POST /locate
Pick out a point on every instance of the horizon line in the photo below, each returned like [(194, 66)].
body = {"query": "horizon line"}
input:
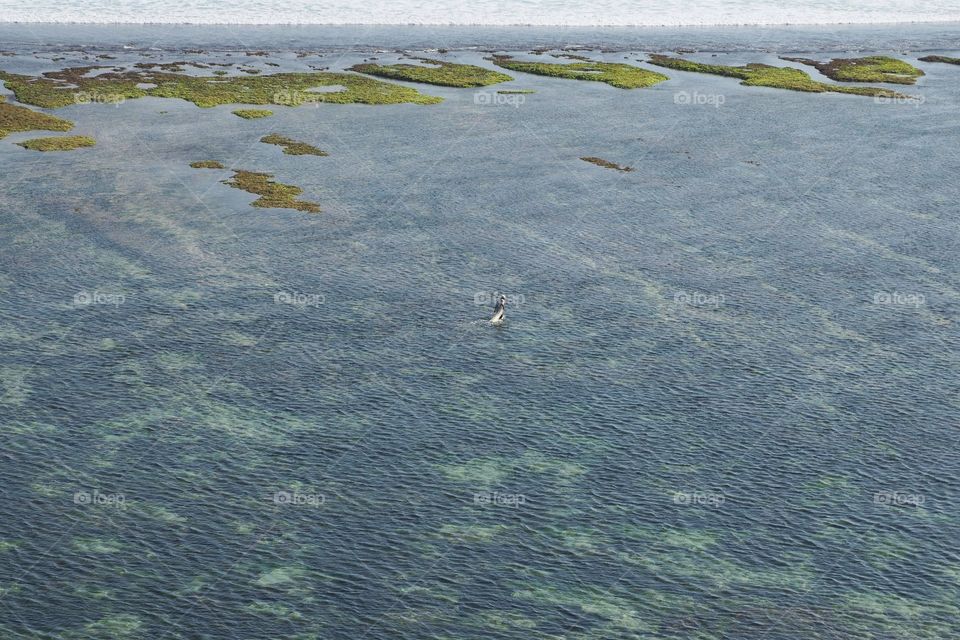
[(952, 20)]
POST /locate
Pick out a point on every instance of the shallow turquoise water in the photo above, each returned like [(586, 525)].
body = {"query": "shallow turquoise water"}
[(723, 405)]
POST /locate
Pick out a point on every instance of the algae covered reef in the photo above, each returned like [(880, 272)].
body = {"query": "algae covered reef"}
[(606, 164), (58, 143), (207, 164), (272, 194), (14, 118), (869, 69), (616, 74), (438, 72), (764, 75), (73, 85), (292, 147), (944, 59), (252, 114)]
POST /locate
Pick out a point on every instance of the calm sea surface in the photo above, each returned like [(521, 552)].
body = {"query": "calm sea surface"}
[(723, 405)]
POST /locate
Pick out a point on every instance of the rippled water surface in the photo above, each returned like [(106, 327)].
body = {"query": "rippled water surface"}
[(723, 404)]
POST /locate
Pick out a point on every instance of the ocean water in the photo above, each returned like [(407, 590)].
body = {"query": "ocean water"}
[(723, 405), (486, 12)]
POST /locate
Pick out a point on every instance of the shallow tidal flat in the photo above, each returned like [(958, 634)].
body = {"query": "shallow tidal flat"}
[(718, 409)]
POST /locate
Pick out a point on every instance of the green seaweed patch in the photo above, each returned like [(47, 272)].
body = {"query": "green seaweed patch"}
[(56, 89), (600, 162), (516, 91), (252, 114), (764, 75), (58, 143), (292, 147), (70, 86), (272, 194), (471, 532), (124, 625), (616, 74), (14, 118), (207, 164), (621, 613), (280, 576), (491, 471), (944, 59), (274, 609), (869, 69), (447, 74)]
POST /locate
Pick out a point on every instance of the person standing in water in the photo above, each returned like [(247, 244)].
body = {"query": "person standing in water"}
[(498, 310)]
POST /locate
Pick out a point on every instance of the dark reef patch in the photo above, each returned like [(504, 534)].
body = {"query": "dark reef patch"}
[(291, 147), (272, 194), (606, 164)]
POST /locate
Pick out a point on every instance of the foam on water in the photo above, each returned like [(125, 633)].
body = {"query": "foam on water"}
[(486, 12)]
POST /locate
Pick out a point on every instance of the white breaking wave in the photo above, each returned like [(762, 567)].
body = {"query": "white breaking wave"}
[(484, 12)]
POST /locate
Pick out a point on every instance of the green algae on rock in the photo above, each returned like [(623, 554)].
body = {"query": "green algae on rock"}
[(272, 194), (447, 74), (616, 74), (869, 69), (69, 86), (945, 59), (57, 143), (600, 162), (292, 147), (764, 75), (207, 164), (14, 118), (252, 114)]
